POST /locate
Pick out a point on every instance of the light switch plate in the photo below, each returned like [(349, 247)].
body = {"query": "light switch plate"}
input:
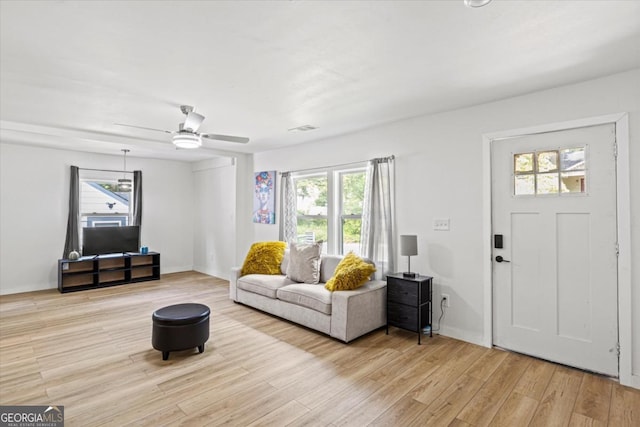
[(441, 224)]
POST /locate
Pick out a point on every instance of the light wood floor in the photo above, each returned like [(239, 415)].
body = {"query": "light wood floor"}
[(91, 352)]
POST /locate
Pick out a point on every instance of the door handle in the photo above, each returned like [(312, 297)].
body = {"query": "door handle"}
[(500, 259)]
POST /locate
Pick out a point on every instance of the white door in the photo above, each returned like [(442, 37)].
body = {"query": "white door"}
[(555, 277)]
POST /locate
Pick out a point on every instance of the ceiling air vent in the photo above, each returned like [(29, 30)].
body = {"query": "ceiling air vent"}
[(303, 128)]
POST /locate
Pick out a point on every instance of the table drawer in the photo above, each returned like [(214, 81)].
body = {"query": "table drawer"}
[(402, 316), (402, 292)]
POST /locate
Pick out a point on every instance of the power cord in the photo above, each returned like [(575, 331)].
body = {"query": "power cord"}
[(442, 310)]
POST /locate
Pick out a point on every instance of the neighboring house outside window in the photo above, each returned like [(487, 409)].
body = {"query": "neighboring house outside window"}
[(102, 206)]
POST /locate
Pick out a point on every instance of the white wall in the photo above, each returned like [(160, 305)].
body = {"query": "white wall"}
[(439, 171), (214, 216), (34, 197), (222, 211), (245, 234)]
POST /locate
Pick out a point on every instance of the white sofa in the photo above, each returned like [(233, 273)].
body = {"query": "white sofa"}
[(345, 315)]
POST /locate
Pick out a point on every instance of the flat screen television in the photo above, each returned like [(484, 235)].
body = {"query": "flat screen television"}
[(110, 240)]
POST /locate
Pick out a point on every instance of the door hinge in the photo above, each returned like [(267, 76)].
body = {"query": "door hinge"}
[(616, 349), (617, 250), (615, 149)]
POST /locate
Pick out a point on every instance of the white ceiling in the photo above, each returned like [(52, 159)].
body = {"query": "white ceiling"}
[(70, 70)]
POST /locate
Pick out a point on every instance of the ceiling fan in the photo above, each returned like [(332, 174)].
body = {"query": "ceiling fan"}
[(187, 135)]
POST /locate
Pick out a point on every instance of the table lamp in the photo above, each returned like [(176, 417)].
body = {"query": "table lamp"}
[(408, 247)]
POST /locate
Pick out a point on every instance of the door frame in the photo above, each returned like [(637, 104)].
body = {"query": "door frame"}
[(623, 207)]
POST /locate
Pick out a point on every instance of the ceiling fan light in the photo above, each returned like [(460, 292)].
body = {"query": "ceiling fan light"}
[(187, 140), (476, 3)]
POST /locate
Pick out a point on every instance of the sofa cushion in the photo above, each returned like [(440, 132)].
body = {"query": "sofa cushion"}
[(304, 262), (328, 264), (264, 258), (285, 262), (351, 273), (315, 297), (263, 284)]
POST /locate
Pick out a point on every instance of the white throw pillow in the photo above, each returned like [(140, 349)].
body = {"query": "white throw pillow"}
[(304, 262)]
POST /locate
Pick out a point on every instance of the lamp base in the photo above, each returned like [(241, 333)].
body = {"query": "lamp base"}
[(409, 274)]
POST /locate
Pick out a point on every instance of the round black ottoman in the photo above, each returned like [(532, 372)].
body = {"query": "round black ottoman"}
[(180, 327)]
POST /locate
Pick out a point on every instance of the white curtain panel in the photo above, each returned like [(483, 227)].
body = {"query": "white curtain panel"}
[(378, 216), (288, 219)]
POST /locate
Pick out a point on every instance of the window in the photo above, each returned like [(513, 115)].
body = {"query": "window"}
[(351, 198), (101, 204), (311, 208), (329, 208), (550, 172)]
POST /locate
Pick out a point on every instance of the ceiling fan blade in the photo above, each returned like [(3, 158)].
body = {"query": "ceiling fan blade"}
[(142, 127), (193, 121), (229, 138)]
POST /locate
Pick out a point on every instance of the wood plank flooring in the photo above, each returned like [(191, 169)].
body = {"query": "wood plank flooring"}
[(91, 352)]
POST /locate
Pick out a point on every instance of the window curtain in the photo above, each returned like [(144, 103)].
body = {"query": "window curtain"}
[(137, 198), (378, 216), (288, 219), (72, 241)]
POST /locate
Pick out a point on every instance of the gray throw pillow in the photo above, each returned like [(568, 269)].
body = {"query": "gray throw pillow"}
[(304, 262)]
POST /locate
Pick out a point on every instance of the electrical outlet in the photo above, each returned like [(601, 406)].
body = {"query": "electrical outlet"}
[(446, 300), (441, 224)]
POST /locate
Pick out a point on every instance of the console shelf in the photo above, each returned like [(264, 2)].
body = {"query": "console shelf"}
[(107, 270)]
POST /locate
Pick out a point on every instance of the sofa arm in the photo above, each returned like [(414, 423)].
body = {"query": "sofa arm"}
[(356, 312), (233, 283)]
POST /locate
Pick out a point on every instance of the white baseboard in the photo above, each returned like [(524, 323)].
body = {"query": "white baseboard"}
[(630, 381), (175, 269), (211, 272), (8, 290), (462, 335)]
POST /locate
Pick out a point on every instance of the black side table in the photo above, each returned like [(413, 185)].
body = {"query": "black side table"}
[(409, 303)]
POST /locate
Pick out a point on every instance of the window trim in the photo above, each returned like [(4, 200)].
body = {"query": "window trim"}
[(334, 216), (86, 216), (341, 216), (559, 171)]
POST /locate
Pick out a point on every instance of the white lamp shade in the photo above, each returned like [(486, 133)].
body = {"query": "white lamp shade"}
[(408, 245), (124, 185)]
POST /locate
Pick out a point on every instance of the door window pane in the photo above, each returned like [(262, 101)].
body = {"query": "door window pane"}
[(547, 183), (547, 161), (573, 167), (523, 162), (572, 159), (524, 185), (550, 172), (573, 182)]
